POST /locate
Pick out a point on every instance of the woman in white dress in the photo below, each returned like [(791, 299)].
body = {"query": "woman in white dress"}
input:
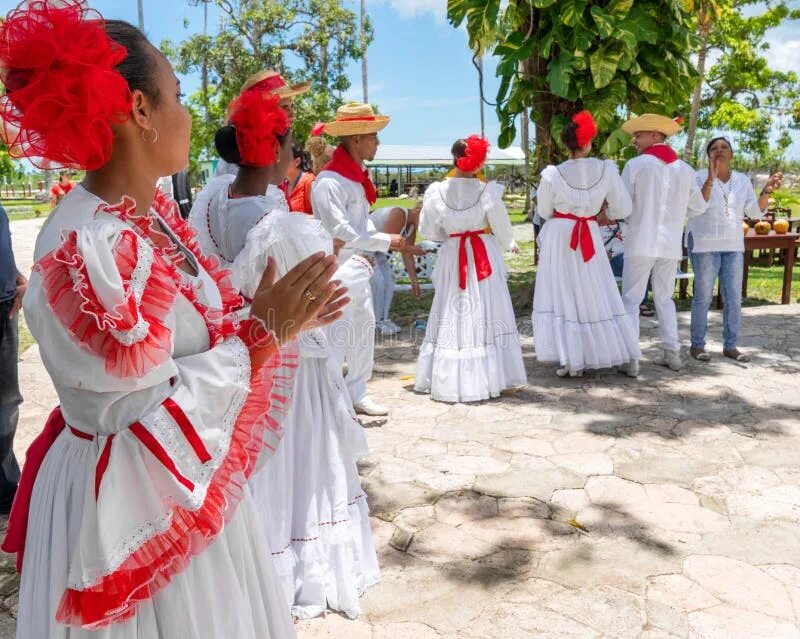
[(579, 321), (471, 350), (309, 494), (133, 511)]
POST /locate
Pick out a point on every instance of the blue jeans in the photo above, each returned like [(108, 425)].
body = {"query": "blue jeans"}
[(729, 267), (10, 399)]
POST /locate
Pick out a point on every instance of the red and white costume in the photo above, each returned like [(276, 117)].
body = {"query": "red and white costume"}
[(140, 521)]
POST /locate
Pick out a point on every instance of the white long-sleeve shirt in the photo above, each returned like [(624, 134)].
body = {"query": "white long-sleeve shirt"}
[(663, 195), (720, 227), (342, 207)]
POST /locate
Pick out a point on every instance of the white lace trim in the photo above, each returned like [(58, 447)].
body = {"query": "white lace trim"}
[(133, 335), (163, 428)]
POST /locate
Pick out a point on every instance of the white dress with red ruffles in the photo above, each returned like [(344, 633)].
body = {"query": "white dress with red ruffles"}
[(309, 494), (141, 524)]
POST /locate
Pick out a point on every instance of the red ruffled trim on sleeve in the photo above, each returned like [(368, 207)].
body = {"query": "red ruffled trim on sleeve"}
[(70, 296), (151, 567)]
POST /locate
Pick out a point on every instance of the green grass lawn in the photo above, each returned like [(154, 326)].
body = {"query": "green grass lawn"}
[(764, 287), (25, 209)]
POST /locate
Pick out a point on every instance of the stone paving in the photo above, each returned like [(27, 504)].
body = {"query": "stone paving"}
[(603, 507)]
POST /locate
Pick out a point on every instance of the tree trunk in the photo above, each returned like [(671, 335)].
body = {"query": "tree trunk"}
[(698, 89), (480, 94), (526, 149), (364, 85)]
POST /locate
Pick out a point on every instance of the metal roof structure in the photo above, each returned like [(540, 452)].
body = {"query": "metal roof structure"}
[(422, 155)]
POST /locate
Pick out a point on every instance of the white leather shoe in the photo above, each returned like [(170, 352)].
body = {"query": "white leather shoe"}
[(368, 407), (671, 359)]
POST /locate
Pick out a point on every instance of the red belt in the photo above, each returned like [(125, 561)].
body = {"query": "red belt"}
[(483, 266), (581, 234)]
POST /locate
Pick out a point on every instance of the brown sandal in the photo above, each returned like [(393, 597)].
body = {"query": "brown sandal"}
[(699, 354)]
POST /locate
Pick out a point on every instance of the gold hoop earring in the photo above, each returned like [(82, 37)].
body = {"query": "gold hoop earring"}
[(146, 139)]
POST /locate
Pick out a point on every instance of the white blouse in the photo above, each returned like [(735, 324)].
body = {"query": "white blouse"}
[(720, 227), (458, 205), (580, 187)]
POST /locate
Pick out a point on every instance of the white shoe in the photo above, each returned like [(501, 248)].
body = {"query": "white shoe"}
[(387, 327), (631, 369), (565, 370), (368, 407), (671, 359), (395, 328)]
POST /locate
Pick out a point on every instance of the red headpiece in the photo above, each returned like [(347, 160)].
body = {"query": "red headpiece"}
[(475, 154), (258, 121), (63, 92), (585, 127)]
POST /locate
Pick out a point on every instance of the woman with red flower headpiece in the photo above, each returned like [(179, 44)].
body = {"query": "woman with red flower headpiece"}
[(133, 510), (578, 317), (309, 495), (471, 350)]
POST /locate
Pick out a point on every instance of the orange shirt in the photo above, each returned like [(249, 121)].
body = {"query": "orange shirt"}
[(300, 197)]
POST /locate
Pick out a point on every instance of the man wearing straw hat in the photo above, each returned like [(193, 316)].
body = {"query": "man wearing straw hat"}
[(664, 193), (341, 199), (275, 83)]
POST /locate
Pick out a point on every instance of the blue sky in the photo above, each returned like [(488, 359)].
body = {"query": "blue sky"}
[(420, 69)]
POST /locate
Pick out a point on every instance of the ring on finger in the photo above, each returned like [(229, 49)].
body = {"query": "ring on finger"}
[(309, 296)]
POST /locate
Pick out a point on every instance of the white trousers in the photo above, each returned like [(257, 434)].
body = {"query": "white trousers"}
[(352, 337), (661, 272), (382, 284)]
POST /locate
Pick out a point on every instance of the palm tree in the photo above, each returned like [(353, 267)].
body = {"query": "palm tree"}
[(141, 16), (707, 12), (364, 50)]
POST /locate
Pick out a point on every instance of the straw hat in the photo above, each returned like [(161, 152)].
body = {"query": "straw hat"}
[(355, 118), (273, 81), (652, 122)]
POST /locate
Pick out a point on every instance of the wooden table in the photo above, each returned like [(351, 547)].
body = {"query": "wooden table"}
[(785, 242)]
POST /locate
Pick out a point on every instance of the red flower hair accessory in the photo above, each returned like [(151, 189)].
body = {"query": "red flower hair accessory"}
[(474, 155), (585, 127), (63, 92), (258, 121)]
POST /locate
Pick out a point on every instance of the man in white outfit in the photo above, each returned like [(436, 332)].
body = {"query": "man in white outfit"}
[(664, 193), (341, 197)]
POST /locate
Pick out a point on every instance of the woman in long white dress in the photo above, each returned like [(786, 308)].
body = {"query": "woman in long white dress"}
[(133, 511), (579, 321), (471, 350), (309, 494)]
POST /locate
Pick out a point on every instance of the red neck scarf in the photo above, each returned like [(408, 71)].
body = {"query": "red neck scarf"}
[(344, 164), (662, 152)]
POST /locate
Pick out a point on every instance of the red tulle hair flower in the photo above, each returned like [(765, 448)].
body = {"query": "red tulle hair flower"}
[(63, 92), (258, 121), (474, 155), (585, 127)]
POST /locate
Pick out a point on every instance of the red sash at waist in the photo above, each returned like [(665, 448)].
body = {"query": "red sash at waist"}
[(483, 266), (581, 234)]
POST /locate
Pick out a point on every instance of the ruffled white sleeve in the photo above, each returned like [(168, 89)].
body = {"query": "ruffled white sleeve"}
[(430, 218), (497, 215), (619, 200), (176, 437)]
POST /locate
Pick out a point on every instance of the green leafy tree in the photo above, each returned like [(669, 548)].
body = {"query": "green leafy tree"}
[(305, 40), (557, 56), (742, 93)]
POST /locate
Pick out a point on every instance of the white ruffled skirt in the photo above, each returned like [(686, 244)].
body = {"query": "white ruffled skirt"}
[(310, 499), (578, 317), (229, 590), (471, 350)]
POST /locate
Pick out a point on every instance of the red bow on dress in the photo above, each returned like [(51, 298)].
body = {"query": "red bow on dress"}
[(581, 234), (483, 266), (344, 164)]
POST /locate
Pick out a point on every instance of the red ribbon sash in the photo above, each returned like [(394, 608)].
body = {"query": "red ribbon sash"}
[(483, 266), (581, 234)]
